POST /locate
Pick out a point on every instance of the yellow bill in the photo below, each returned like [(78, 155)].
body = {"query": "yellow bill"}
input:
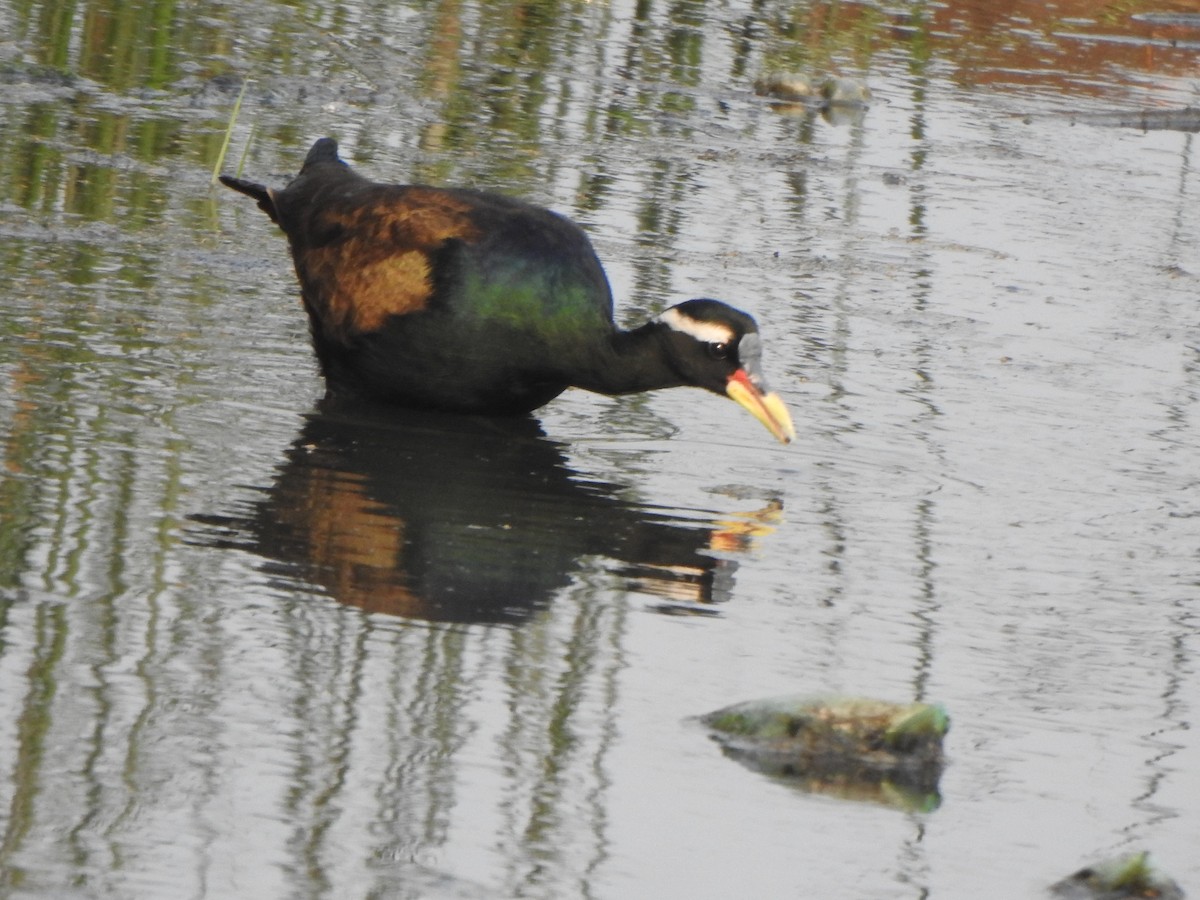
[(766, 407)]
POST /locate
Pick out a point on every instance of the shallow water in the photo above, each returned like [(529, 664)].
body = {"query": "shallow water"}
[(253, 646)]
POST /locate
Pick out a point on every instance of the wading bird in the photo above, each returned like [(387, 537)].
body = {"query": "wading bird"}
[(466, 301)]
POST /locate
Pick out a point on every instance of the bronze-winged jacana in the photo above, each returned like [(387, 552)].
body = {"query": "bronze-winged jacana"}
[(466, 301)]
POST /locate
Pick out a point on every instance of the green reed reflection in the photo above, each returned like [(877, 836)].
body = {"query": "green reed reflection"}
[(155, 80), (153, 367)]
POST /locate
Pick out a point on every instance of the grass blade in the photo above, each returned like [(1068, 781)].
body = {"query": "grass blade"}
[(237, 105)]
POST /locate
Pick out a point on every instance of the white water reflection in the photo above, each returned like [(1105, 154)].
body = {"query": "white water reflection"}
[(992, 503)]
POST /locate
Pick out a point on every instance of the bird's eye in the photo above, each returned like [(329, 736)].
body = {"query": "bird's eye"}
[(718, 349)]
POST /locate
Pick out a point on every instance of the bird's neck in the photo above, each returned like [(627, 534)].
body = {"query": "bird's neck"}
[(630, 362)]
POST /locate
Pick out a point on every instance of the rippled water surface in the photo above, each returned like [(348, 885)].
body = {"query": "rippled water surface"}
[(256, 646)]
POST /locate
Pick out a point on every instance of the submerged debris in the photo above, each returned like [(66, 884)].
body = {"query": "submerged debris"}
[(1131, 875), (794, 87), (789, 86), (855, 748), (845, 92)]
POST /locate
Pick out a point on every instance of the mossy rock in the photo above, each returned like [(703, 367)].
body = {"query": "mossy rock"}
[(791, 87), (853, 747), (1127, 876), (845, 92), (795, 87)]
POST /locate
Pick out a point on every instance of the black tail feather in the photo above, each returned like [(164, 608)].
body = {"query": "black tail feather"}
[(324, 150), (252, 189)]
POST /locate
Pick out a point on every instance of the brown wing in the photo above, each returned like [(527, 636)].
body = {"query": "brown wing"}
[(366, 254)]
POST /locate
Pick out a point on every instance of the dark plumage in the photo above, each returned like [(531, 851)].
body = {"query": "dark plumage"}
[(467, 301)]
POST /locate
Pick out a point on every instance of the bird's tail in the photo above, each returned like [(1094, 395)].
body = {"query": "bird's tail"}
[(266, 202), (323, 151)]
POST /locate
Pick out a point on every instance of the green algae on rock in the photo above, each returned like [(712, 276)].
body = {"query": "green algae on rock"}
[(1129, 875), (853, 747), (796, 87), (792, 87)]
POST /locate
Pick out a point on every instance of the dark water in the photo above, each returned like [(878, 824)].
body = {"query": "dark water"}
[(253, 646)]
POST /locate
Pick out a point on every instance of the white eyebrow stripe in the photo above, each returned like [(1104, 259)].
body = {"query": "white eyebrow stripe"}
[(708, 332)]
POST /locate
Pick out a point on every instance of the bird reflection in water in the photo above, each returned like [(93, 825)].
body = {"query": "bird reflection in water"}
[(467, 519)]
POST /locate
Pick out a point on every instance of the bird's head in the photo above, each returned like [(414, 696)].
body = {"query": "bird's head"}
[(716, 347)]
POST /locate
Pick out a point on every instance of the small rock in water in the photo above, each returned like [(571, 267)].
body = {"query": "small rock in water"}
[(840, 101), (1122, 877), (790, 86), (845, 92), (856, 748)]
